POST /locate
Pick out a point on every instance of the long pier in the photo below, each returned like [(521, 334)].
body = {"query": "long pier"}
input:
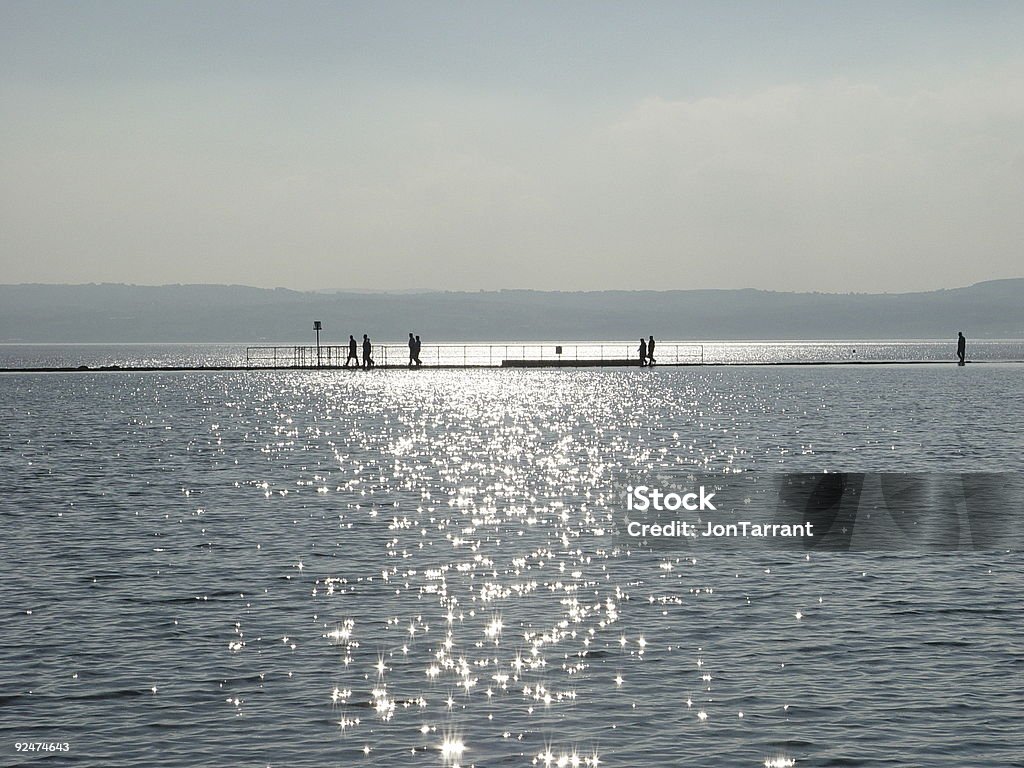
[(392, 356), (518, 365), (529, 364)]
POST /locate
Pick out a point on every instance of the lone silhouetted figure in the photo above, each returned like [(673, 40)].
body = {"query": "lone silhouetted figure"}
[(367, 350), (961, 347), (352, 351), (650, 351), (643, 351), (416, 355), (412, 350)]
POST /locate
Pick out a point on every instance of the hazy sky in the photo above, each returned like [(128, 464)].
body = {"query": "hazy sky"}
[(843, 146)]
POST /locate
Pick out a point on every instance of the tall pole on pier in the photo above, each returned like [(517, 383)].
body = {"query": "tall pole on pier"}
[(317, 325)]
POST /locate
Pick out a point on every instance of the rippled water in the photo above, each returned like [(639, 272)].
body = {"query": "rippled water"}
[(303, 569)]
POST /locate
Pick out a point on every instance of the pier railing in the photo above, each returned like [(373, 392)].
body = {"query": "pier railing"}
[(393, 355)]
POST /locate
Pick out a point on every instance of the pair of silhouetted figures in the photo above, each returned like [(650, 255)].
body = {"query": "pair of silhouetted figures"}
[(367, 352), (353, 347), (647, 351), (414, 351)]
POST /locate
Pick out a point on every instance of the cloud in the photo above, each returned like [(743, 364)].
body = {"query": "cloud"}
[(868, 184), (842, 184)]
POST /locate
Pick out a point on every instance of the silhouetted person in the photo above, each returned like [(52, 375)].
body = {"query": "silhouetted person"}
[(352, 351), (367, 349), (650, 351), (412, 350), (643, 351), (961, 347), (416, 356)]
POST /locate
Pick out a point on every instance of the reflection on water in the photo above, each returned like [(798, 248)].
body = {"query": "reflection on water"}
[(298, 568)]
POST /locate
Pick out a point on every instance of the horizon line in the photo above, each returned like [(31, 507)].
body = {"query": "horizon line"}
[(430, 291)]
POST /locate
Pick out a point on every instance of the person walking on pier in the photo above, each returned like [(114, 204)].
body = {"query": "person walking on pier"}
[(961, 348), (643, 351), (367, 349), (650, 351), (412, 350), (416, 355), (352, 351)]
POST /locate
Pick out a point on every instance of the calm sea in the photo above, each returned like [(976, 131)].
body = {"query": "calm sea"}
[(301, 568)]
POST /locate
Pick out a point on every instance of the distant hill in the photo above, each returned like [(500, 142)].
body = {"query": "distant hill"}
[(233, 313)]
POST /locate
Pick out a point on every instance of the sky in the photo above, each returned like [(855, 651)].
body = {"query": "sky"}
[(808, 146)]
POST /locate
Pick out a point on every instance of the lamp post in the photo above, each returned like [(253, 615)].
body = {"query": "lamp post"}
[(317, 325)]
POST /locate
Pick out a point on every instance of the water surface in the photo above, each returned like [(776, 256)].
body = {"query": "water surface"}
[(298, 568)]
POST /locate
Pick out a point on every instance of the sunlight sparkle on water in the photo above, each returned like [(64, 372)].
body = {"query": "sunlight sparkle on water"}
[(452, 748)]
